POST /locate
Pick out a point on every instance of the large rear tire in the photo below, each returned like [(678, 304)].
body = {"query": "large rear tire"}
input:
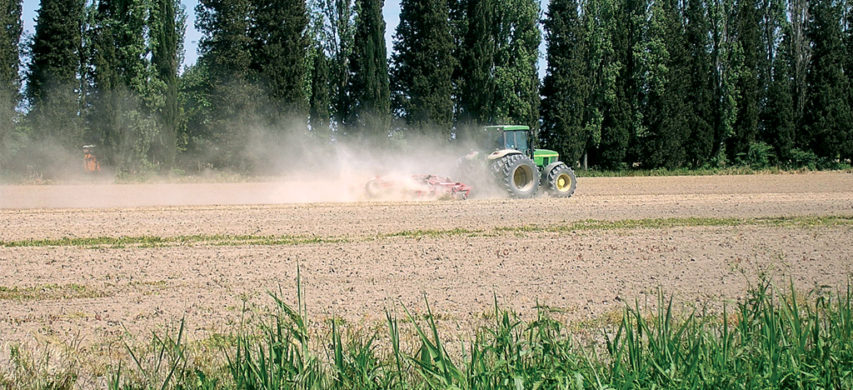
[(561, 181), (517, 175)]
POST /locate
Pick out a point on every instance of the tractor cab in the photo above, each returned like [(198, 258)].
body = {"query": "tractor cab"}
[(511, 137)]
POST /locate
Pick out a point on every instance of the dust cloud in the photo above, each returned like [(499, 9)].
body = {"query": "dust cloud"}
[(287, 166)]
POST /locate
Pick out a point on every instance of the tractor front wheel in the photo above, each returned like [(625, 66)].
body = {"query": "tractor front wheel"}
[(561, 181), (517, 175)]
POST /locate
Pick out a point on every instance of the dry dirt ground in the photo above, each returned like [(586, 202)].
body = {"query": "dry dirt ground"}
[(359, 258)]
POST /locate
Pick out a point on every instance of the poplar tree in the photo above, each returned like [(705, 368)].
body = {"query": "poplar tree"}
[(167, 24), (319, 112), (700, 88), (225, 49), (827, 119), (749, 71), (368, 83), (779, 123), (280, 41), (622, 117), (120, 123), (52, 83), (516, 91), (565, 87), (10, 36), (337, 35), (475, 56), (422, 66)]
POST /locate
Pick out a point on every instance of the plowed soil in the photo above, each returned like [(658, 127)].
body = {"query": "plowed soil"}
[(358, 258)]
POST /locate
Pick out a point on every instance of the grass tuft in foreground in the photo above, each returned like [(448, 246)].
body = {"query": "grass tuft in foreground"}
[(769, 340)]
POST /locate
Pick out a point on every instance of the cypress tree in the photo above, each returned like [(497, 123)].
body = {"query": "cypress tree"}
[(167, 32), (749, 39), (279, 47), (10, 36), (319, 113), (52, 83), (664, 69), (601, 71), (423, 65), (119, 122), (700, 89), (847, 148), (516, 92), (475, 56), (779, 123), (565, 87), (827, 119), (369, 85), (337, 37), (226, 57), (621, 119), (798, 47)]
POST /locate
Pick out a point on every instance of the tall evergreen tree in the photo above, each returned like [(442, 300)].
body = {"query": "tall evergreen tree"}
[(10, 36), (369, 85), (475, 54), (498, 80), (280, 41), (667, 76), (565, 87), (423, 65), (52, 83), (798, 47), (319, 113), (748, 30), (167, 24), (724, 56), (828, 120), (847, 148), (226, 57), (338, 35), (622, 118), (700, 89), (119, 122), (516, 93), (602, 69), (780, 124)]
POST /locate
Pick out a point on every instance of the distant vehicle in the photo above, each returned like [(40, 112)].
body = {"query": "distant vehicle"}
[(90, 160)]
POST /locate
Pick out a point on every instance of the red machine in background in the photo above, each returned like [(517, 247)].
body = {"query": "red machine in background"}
[(417, 187)]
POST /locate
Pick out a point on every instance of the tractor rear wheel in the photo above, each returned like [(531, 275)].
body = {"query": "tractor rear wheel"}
[(517, 175), (561, 181)]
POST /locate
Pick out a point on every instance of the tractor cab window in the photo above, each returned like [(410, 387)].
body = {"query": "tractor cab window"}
[(516, 140)]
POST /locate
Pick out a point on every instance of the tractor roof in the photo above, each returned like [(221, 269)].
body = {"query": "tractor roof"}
[(507, 127)]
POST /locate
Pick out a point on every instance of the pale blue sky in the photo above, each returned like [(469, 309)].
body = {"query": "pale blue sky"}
[(391, 12)]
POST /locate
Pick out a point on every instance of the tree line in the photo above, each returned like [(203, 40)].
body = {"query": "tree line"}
[(629, 83)]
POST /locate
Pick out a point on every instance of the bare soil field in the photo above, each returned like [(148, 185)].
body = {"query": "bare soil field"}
[(233, 243)]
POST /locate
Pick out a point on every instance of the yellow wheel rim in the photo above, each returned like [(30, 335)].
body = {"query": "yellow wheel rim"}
[(564, 182)]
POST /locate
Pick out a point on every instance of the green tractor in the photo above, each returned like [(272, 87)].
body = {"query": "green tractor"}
[(518, 168)]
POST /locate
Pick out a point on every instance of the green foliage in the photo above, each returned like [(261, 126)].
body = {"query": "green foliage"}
[(368, 82), (770, 339), (167, 22), (319, 113), (10, 36), (422, 66), (759, 156), (278, 30), (828, 119), (52, 83), (565, 88), (748, 62)]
